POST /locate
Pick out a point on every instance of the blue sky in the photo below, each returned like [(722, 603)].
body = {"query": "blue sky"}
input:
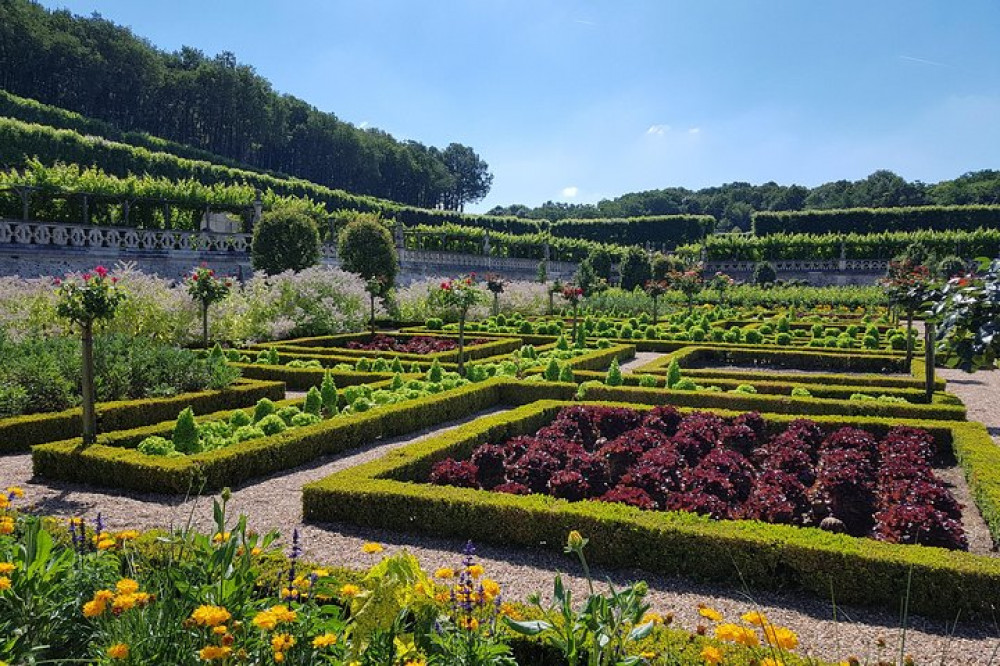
[(579, 100)]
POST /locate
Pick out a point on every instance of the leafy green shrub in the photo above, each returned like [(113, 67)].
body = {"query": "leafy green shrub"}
[(897, 342), (745, 388), (156, 446), (614, 376), (264, 408), (673, 373), (648, 381), (185, 435), (285, 239), (314, 401), (753, 337), (272, 424), (13, 400), (434, 324), (799, 392), (685, 384), (246, 433), (240, 418), (783, 339)]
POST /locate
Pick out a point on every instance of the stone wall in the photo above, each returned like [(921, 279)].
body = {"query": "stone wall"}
[(35, 249)]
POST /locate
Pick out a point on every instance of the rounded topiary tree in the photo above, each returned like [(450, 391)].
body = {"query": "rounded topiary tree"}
[(366, 247), (764, 273), (635, 268), (460, 294), (285, 239)]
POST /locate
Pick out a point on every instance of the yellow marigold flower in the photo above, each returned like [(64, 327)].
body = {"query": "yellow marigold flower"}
[(324, 640), (416, 662), (106, 544), (255, 551), (769, 661), (350, 591), (104, 596), (508, 609), (127, 535), (214, 652), (127, 586), (737, 634), (491, 589), (15, 491), (710, 614), (469, 623), (647, 655), (142, 598), (653, 617), (476, 570), (210, 616), (711, 655), (372, 548), (282, 642), (265, 620), (94, 608), (7, 567), (4, 502), (756, 618), (4, 583), (6, 525), (219, 537), (302, 581), (118, 651), (321, 573), (441, 597), (279, 657), (781, 637), (444, 573), (221, 630), (123, 602)]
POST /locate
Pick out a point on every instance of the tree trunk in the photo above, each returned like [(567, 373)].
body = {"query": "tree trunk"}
[(204, 324), (654, 310), (929, 360), (89, 407), (909, 339), (573, 334), (461, 343), (496, 304), (371, 322), (551, 304)]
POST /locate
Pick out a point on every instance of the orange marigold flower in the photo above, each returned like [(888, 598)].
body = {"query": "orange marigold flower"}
[(118, 651), (324, 640), (7, 567), (127, 586), (476, 570), (210, 616), (350, 591), (756, 618), (4, 583), (444, 573), (711, 655), (781, 637), (710, 614), (214, 652)]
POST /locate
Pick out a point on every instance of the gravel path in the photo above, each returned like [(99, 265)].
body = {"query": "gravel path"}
[(275, 503), (641, 359), (980, 392)]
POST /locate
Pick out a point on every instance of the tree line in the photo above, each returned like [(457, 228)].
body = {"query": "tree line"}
[(101, 70), (733, 204)]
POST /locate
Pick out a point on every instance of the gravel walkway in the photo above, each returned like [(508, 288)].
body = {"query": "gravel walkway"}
[(641, 359)]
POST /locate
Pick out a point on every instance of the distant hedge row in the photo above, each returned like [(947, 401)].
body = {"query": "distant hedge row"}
[(21, 140), (671, 230), (875, 220)]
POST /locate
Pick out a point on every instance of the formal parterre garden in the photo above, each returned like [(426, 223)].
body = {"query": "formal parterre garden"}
[(806, 448)]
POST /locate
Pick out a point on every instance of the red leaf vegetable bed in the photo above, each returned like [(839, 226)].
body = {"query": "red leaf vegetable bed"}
[(415, 345), (846, 480)]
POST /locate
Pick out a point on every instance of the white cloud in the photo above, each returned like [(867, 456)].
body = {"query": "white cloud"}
[(363, 125), (570, 192), (694, 130), (658, 130)]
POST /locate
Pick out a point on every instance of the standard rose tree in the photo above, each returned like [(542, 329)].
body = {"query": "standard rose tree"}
[(90, 298), (460, 294), (205, 288)]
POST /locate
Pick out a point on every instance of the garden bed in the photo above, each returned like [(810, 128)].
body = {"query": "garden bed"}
[(392, 493), (21, 432), (395, 345)]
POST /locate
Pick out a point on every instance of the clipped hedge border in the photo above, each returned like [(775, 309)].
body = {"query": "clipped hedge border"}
[(388, 493), (777, 404), (812, 359), (331, 345), (300, 379), (18, 433), (775, 386), (114, 462)]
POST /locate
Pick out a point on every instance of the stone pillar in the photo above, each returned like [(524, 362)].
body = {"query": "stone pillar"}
[(842, 264), (486, 243), (258, 209), (398, 235)]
